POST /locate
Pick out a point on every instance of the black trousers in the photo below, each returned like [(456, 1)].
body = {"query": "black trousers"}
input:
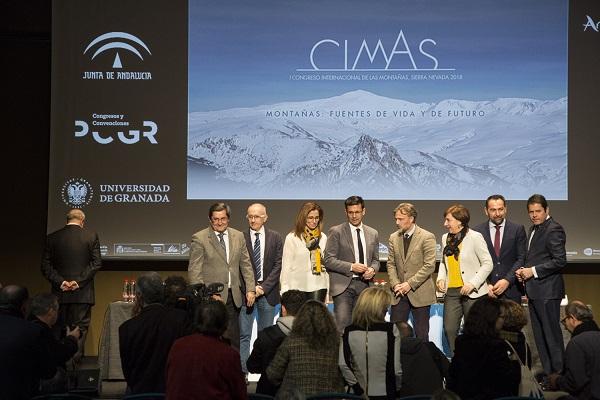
[(71, 315)]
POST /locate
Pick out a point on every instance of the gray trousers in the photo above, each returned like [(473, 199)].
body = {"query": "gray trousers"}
[(456, 307)]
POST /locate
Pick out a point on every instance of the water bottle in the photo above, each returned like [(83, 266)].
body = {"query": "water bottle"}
[(132, 291), (126, 290)]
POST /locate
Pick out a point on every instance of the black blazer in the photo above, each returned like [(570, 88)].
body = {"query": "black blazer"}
[(271, 263), (548, 255), (512, 256), (72, 253)]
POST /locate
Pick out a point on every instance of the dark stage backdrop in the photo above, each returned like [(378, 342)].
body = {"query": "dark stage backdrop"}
[(162, 108)]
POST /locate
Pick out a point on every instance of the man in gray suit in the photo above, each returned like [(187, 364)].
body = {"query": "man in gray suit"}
[(410, 265), (218, 254), (351, 259)]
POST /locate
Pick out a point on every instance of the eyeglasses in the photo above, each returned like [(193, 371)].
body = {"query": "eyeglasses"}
[(564, 320), (253, 217)]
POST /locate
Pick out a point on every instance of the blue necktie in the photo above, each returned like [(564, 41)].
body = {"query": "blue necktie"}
[(256, 258)]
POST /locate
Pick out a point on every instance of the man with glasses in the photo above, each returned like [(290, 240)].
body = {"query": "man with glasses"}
[(265, 248), (218, 254)]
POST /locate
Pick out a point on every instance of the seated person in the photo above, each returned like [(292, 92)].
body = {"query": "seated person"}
[(145, 340), (481, 367), (424, 366), (175, 290), (44, 313), (269, 340), (202, 365), (512, 330), (308, 357)]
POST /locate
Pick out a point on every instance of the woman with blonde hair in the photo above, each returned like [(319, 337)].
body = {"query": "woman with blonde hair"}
[(302, 265), (370, 348)]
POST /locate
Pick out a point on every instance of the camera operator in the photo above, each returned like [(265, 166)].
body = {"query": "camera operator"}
[(145, 340)]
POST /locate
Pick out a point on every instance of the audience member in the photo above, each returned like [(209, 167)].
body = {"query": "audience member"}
[(308, 357), (202, 365), (269, 340), (44, 313), (145, 340), (481, 368), (512, 330), (175, 287), (302, 264), (580, 376), (424, 366), (464, 268), (370, 350), (24, 360)]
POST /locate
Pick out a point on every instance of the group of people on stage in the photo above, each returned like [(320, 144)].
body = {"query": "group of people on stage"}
[(483, 274)]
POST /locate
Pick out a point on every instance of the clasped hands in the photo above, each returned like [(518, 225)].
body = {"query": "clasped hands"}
[(69, 286), (524, 273), (401, 289), (367, 272)]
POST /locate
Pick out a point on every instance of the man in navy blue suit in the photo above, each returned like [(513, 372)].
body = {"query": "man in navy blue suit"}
[(544, 259), (506, 243)]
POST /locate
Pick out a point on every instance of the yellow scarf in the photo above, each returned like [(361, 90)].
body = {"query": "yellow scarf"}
[(311, 239)]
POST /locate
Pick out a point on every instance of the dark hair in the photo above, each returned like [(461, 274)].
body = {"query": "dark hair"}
[(302, 215), (219, 207), (292, 300), (150, 287), (495, 197), (42, 303), (211, 318), (314, 323), (482, 317), (537, 199), (354, 201), (515, 318), (175, 286), (459, 212), (579, 311), (14, 295)]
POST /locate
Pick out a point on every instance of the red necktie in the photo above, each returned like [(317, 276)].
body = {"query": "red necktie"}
[(497, 241)]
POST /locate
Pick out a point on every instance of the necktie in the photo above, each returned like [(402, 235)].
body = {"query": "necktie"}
[(497, 241), (256, 258), (406, 243), (222, 242), (361, 253)]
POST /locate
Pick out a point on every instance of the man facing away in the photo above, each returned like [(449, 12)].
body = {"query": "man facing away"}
[(410, 265), (351, 259), (145, 339), (265, 248), (218, 254), (580, 376), (269, 340), (544, 259), (506, 243), (70, 262)]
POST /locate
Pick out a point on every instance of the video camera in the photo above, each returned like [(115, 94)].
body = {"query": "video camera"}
[(196, 294)]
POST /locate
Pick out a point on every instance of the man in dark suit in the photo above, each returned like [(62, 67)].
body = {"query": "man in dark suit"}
[(506, 243), (145, 339), (265, 248), (24, 359), (219, 254), (351, 259), (70, 262), (544, 285)]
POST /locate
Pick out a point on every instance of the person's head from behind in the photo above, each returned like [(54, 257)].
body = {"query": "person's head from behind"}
[(75, 216), (211, 318), (371, 306), (14, 297), (291, 301), (44, 307), (149, 289), (406, 331), (314, 323), (175, 286), (514, 316), (444, 394), (485, 318)]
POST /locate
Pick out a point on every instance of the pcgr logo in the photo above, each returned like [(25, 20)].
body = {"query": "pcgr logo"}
[(117, 42), (77, 192)]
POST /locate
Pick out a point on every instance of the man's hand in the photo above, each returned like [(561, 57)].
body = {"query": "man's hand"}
[(466, 289), (64, 286), (217, 296), (259, 291), (369, 274), (441, 286), (491, 291), (401, 289), (358, 268), (75, 332), (553, 381), (73, 285), (500, 287), (523, 274), (250, 297)]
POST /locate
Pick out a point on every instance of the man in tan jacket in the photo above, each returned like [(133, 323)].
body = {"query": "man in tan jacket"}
[(411, 262)]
